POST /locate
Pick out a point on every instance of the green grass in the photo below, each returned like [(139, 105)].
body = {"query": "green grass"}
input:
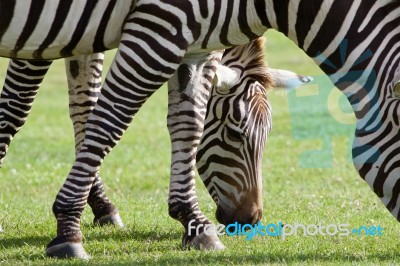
[(136, 175)]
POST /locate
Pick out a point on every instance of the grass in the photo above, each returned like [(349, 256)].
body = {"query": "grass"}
[(308, 178)]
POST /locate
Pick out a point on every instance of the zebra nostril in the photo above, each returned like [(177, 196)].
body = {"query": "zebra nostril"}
[(242, 216)]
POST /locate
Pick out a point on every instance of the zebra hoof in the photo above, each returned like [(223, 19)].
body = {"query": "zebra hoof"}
[(67, 251), (204, 242), (109, 219)]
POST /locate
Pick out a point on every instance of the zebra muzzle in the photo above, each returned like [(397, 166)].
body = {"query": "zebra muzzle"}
[(241, 216)]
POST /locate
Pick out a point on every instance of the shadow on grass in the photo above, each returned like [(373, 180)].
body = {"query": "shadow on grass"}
[(222, 258), (22, 247), (128, 233), (271, 258), (97, 234), (168, 253), (228, 256), (16, 242)]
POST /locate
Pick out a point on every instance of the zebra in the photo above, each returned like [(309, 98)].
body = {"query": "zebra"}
[(165, 40)]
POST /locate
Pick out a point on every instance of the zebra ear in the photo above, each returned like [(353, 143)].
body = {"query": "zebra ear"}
[(225, 78), (287, 80)]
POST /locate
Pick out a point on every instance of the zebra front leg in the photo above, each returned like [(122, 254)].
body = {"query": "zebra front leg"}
[(189, 92), (84, 85), (136, 72), (21, 85)]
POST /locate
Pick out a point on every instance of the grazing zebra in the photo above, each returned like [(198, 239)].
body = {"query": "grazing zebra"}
[(160, 37), (346, 38)]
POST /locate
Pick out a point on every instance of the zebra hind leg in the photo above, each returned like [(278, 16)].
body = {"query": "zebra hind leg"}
[(21, 85), (189, 92), (84, 85)]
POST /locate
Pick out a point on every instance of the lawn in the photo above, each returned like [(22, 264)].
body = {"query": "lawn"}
[(308, 179)]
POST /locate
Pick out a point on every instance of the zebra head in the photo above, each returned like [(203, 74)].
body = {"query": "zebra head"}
[(236, 126), (235, 130)]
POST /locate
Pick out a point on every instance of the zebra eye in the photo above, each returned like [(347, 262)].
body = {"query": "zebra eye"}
[(234, 133)]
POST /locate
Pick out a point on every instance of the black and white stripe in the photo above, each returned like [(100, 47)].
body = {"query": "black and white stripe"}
[(54, 29), (161, 36)]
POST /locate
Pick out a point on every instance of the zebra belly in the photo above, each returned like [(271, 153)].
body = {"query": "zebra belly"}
[(54, 29)]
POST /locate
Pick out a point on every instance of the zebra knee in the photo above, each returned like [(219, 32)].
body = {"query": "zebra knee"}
[(176, 212)]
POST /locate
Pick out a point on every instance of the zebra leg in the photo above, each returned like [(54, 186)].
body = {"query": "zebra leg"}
[(84, 85), (137, 71), (21, 85), (189, 92), (105, 213)]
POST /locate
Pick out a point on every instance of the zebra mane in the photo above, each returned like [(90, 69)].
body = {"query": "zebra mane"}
[(250, 60)]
